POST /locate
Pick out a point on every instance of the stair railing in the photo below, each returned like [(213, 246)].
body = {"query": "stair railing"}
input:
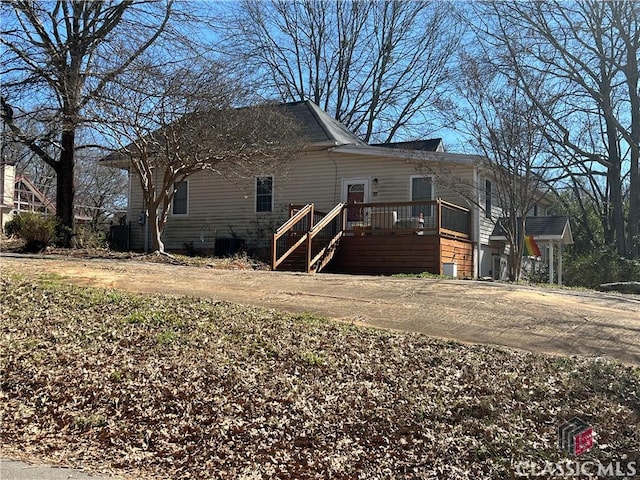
[(291, 234), (327, 233)]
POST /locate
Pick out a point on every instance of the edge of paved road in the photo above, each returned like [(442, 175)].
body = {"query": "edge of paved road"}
[(18, 470)]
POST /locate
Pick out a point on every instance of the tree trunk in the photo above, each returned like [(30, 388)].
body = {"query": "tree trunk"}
[(615, 196), (156, 234), (633, 78), (65, 190)]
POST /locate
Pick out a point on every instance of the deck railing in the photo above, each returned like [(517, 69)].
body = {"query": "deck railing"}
[(396, 218), (455, 220), (320, 233)]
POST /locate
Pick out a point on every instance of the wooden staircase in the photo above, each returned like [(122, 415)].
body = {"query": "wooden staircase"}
[(304, 246)]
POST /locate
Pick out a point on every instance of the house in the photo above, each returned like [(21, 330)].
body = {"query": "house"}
[(350, 206), (19, 194), (547, 232)]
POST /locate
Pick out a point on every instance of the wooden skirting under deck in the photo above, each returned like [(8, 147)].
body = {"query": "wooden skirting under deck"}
[(389, 254)]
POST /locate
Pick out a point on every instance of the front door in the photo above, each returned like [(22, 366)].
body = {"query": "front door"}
[(355, 190)]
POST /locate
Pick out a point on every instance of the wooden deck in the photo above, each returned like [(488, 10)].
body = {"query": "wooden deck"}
[(376, 238), (389, 254)]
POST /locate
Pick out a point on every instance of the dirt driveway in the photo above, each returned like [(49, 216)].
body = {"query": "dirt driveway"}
[(535, 319)]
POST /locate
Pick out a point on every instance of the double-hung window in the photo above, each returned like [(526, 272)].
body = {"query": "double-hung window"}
[(488, 196), (181, 199), (264, 194)]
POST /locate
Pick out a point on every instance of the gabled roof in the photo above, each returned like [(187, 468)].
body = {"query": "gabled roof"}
[(319, 126), (429, 145), (555, 227)]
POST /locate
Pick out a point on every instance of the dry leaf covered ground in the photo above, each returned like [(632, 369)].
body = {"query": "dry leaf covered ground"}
[(153, 386)]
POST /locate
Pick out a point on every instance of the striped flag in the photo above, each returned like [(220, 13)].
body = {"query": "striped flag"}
[(531, 247)]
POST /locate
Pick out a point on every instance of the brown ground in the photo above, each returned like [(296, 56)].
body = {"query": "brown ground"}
[(536, 319)]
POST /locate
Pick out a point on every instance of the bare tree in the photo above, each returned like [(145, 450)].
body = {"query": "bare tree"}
[(381, 68), (57, 58), (499, 123), (101, 191), (585, 55), (171, 121)]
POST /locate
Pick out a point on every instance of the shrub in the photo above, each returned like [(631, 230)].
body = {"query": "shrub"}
[(87, 237), (11, 227), (599, 266), (37, 230)]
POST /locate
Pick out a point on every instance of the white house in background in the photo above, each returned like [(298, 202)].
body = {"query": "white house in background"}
[(549, 233), (389, 212), (19, 194)]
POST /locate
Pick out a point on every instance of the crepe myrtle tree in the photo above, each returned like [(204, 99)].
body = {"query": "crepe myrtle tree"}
[(173, 120)]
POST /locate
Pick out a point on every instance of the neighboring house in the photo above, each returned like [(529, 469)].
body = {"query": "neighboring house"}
[(396, 217), (19, 194)]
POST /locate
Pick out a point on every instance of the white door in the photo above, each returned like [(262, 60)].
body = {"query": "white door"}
[(355, 190)]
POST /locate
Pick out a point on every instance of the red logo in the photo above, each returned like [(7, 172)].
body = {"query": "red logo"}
[(575, 436)]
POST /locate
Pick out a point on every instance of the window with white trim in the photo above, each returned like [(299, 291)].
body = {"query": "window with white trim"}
[(264, 194), (487, 198), (181, 199)]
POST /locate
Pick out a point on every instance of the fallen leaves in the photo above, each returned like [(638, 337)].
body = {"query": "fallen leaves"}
[(174, 387)]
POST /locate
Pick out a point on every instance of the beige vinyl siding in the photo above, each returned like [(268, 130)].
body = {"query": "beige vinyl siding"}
[(222, 208), (8, 178), (8, 184)]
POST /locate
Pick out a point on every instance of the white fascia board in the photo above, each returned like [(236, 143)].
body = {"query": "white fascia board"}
[(538, 238), (444, 157)]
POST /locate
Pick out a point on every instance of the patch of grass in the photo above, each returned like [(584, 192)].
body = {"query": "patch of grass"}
[(116, 376), (313, 359), (174, 387), (166, 337), (114, 297), (51, 278), (86, 422), (135, 318)]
